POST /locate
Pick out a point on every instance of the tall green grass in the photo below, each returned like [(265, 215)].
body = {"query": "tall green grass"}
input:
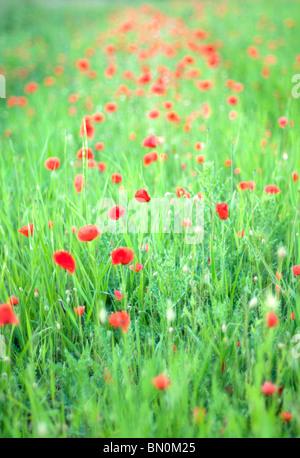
[(52, 379)]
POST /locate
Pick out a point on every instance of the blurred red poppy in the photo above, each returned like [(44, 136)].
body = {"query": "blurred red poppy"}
[(116, 178), (65, 260), (137, 267), (272, 189), (222, 211), (116, 212), (79, 183), (296, 271), (52, 163), (26, 229), (268, 388), (141, 195), (79, 310), (13, 300), (118, 295), (161, 382), (122, 255), (150, 142), (7, 315), (101, 166), (120, 320), (272, 320), (85, 152), (88, 233)]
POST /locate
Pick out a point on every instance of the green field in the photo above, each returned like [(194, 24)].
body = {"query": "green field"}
[(211, 82)]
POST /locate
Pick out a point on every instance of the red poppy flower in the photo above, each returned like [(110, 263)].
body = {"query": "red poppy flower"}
[(153, 114), (87, 152), (158, 88), (232, 100), (49, 81), (168, 105), (150, 142), (253, 52), (99, 146), (13, 300), (295, 177), (30, 88), (110, 107), (272, 189), (122, 255), (149, 158), (52, 163), (120, 320), (116, 178), (88, 128), (116, 212), (286, 417), (222, 211), (118, 295), (268, 388), (200, 159), (144, 79), (204, 85), (88, 233), (283, 121), (110, 71), (109, 49), (79, 183), (98, 117), (141, 195), (145, 247), (172, 116), (163, 157), (50, 224), (7, 315), (79, 310), (73, 98), (296, 271), (181, 192), (25, 230), (101, 166), (161, 382), (186, 222), (13, 101), (272, 320), (243, 185), (137, 267), (65, 260), (91, 164), (83, 65)]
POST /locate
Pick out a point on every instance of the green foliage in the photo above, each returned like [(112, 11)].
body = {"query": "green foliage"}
[(69, 376)]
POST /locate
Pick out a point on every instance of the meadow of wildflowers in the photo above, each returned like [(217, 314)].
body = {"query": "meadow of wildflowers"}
[(149, 219)]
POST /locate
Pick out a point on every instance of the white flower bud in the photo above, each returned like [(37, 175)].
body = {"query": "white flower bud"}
[(272, 302), (253, 303), (171, 314), (102, 316), (281, 253)]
